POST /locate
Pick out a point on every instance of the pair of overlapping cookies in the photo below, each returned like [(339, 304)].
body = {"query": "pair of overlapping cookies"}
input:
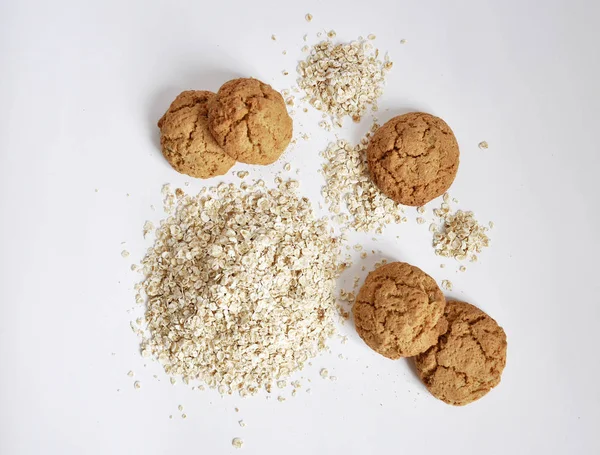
[(459, 351), (203, 134)]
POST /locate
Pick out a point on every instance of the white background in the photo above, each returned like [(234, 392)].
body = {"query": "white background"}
[(82, 86)]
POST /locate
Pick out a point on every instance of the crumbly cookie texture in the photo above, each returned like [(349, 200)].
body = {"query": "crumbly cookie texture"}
[(249, 119), (413, 158), (399, 311), (186, 141), (468, 360)]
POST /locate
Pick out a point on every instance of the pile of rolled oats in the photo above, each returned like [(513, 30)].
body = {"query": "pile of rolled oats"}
[(460, 235), (343, 79), (239, 286), (347, 179)]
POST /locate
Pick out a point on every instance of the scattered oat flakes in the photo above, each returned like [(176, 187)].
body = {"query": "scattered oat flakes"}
[(420, 220), (324, 373), (460, 235), (371, 36), (347, 180), (242, 174), (491, 224), (281, 399), (125, 253), (241, 423), (130, 374), (235, 274), (184, 416), (343, 79), (274, 38), (331, 34), (308, 17), (333, 378), (403, 41), (483, 145), (137, 384), (462, 268), (237, 443), (287, 167), (173, 380)]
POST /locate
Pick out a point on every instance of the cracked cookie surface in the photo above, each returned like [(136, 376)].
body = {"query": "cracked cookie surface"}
[(413, 158), (399, 311), (250, 121), (468, 360), (186, 141)]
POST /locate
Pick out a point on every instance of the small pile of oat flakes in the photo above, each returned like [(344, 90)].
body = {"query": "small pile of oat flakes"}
[(343, 79), (460, 235), (239, 286), (347, 180)]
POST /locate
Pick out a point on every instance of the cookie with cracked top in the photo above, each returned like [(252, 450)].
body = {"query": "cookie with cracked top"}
[(185, 140), (249, 119), (413, 158), (468, 359), (399, 311)]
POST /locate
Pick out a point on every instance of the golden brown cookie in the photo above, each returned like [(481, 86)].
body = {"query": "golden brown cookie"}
[(413, 158), (186, 141), (467, 361), (250, 121), (399, 311)]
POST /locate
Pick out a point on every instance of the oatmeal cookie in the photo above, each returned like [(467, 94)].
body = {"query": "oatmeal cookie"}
[(250, 121), (413, 158), (399, 311), (186, 141), (467, 361)]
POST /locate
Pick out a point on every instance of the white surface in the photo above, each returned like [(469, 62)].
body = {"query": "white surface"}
[(82, 86)]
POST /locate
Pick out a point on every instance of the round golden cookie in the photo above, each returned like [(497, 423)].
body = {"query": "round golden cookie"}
[(186, 141), (413, 158), (250, 121), (467, 361), (399, 311)]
